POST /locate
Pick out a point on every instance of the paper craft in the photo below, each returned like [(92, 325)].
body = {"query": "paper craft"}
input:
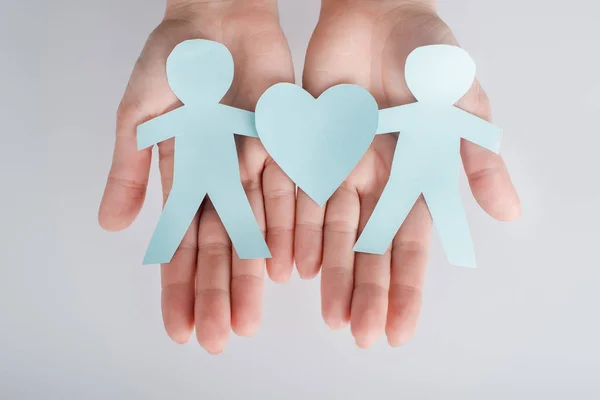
[(427, 156), (200, 72), (317, 142)]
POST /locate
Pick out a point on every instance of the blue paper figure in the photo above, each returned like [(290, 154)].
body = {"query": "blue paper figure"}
[(200, 72), (427, 156)]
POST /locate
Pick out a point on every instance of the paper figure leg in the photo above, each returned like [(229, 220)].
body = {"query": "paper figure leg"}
[(175, 220), (450, 221), (397, 199), (236, 214)]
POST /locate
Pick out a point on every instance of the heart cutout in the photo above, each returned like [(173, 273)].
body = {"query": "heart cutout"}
[(317, 142)]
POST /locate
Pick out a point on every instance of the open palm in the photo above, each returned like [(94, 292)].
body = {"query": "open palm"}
[(367, 43), (206, 285)]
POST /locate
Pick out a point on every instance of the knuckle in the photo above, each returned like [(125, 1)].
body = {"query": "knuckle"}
[(211, 292), (406, 290), (340, 226), (279, 194), (310, 227), (130, 184), (166, 150), (247, 279), (278, 231), (251, 185), (371, 289), (409, 253), (338, 274), (214, 250), (128, 110), (481, 174), (477, 102), (414, 247), (270, 163), (188, 245)]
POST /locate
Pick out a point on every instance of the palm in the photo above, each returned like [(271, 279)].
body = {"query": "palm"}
[(205, 285), (367, 45)]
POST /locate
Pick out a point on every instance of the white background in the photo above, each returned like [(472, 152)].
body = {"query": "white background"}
[(80, 317)]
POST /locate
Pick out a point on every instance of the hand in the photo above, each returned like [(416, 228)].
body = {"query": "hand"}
[(367, 43), (205, 284)]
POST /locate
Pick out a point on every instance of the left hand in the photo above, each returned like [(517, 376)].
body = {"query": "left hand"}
[(367, 43)]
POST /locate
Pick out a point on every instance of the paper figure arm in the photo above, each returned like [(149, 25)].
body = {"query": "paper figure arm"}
[(395, 119), (477, 130), (241, 122), (162, 128)]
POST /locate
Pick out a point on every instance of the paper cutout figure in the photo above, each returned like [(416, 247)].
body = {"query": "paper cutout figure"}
[(317, 142), (427, 156), (200, 72)]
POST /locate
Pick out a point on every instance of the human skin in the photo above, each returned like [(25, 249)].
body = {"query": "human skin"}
[(206, 285), (356, 41), (366, 42)]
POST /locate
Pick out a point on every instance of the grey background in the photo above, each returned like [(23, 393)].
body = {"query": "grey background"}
[(80, 318)]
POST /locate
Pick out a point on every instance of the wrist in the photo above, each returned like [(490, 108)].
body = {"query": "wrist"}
[(195, 9), (386, 4)]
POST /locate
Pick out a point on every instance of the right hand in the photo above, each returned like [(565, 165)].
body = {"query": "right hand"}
[(206, 285)]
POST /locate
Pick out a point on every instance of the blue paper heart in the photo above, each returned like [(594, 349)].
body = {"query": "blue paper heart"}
[(317, 142)]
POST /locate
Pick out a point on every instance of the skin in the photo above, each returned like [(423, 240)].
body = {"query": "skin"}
[(356, 41), (206, 286), (366, 43)]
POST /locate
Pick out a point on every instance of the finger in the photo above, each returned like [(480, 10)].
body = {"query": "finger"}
[(247, 288), (371, 283), (410, 249), (280, 207), (490, 182), (178, 285), (128, 177), (147, 95), (247, 276), (337, 277), (488, 176), (308, 236), (178, 276), (212, 305)]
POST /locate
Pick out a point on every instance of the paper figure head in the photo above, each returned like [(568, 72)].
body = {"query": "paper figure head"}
[(200, 71), (439, 73)]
